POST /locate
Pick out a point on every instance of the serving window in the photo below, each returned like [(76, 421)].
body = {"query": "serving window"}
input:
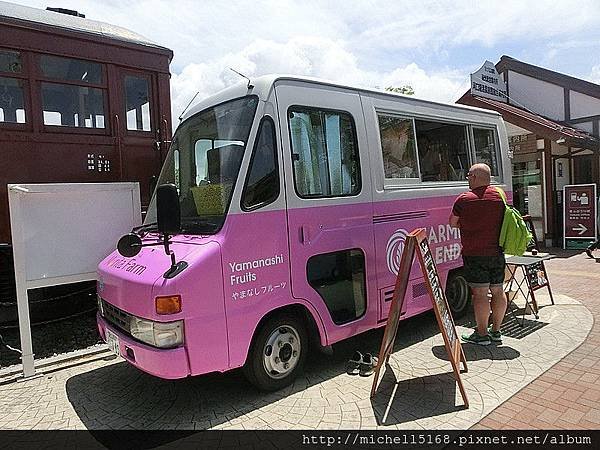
[(418, 150)]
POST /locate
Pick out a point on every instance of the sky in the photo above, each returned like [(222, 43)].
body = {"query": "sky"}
[(430, 45)]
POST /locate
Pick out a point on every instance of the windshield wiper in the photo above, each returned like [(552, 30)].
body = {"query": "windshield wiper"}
[(198, 224)]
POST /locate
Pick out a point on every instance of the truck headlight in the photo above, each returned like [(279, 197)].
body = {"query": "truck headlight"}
[(157, 334)]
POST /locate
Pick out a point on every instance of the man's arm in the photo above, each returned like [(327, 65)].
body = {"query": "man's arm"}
[(454, 221)]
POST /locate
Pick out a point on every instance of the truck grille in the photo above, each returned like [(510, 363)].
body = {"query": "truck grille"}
[(116, 316)]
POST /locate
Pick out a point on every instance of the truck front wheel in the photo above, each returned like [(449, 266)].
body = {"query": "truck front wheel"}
[(278, 353)]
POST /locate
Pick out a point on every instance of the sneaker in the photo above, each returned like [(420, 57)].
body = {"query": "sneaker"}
[(476, 338), (495, 336), (589, 252)]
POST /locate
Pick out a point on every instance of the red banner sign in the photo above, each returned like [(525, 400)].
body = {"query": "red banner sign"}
[(580, 211)]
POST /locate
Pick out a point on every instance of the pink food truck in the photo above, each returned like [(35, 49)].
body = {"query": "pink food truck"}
[(279, 221)]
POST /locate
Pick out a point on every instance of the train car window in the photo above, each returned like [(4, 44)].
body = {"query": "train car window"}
[(12, 100), (137, 100), (68, 69), (72, 106), (12, 103), (10, 62), (74, 102)]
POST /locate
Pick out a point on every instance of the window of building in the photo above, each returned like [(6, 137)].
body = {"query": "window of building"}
[(398, 147), (486, 148), (262, 182), (324, 153), (137, 100), (12, 100), (443, 150), (79, 100)]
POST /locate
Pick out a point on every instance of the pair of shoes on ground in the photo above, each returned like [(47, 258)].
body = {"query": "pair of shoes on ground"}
[(363, 365), (476, 338)]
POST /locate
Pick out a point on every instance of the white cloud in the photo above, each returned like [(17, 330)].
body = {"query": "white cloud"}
[(595, 75), (367, 43), (200, 31), (309, 56)]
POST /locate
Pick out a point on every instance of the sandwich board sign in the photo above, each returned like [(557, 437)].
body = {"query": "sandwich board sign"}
[(579, 215), (416, 242)]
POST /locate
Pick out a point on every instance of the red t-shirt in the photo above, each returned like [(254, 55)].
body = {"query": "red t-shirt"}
[(480, 211)]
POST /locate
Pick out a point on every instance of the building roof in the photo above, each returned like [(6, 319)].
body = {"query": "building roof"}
[(19, 14), (535, 123), (585, 87)]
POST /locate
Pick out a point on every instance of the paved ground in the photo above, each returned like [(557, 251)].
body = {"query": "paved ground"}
[(568, 395), (535, 379)]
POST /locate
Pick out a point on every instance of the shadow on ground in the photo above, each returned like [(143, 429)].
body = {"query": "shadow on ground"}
[(427, 396), (119, 396)]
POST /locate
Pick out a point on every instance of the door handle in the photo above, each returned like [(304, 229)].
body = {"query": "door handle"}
[(304, 238)]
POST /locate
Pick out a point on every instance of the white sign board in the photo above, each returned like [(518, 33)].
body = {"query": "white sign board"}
[(486, 82), (60, 233)]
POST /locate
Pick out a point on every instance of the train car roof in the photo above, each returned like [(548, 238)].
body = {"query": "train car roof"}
[(19, 14), (262, 86)]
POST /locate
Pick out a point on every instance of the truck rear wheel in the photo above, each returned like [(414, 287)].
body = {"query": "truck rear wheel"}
[(278, 353), (458, 293)]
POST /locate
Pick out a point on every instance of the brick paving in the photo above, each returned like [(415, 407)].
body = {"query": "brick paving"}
[(543, 376), (567, 396)]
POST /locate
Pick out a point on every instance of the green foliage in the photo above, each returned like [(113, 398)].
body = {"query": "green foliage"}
[(406, 89)]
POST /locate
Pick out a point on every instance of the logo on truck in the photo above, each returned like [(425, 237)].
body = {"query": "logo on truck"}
[(394, 249), (443, 240)]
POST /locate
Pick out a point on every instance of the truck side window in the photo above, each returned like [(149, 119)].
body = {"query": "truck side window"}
[(324, 153), (262, 181), (398, 147), (485, 148), (443, 150)]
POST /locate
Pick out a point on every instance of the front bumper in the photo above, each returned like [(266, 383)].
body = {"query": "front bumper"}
[(163, 363)]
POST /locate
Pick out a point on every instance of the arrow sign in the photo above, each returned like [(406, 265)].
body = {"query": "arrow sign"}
[(581, 228), (579, 214)]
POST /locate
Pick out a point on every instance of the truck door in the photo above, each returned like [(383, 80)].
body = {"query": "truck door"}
[(329, 205)]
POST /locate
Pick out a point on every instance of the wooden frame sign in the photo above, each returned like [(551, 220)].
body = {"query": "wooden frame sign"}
[(417, 241)]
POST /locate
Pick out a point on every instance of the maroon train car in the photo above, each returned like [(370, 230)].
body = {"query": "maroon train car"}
[(80, 101)]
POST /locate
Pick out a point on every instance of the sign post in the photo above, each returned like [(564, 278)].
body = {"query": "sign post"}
[(486, 82), (579, 215), (417, 242), (60, 232)]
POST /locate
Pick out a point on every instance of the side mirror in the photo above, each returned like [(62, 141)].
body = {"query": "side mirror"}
[(129, 245), (168, 213)]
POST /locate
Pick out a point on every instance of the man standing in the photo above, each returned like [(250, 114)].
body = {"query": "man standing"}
[(479, 213), (596, 244)]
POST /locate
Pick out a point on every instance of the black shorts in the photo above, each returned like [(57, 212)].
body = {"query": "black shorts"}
[(484, 271)]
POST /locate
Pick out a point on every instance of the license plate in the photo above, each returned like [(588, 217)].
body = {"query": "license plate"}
[(112, 340)]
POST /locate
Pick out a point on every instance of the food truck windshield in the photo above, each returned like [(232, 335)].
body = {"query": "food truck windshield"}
[(204, 161)]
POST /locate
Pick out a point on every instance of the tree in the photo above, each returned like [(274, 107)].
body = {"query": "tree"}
[(406, 89)]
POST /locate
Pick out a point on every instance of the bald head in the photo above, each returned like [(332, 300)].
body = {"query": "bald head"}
[(479, 175)]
